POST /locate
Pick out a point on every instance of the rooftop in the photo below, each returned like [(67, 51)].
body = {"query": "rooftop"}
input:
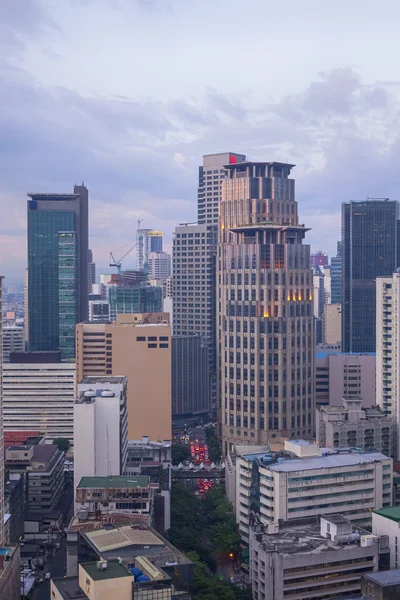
[(114, 570), (347, 459), (112, 539), (385, 578), (68, 588), (392, 513), (103, 379), (136, 481), (262, 163), (268, 225)]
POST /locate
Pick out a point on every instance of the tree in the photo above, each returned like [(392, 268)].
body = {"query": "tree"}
[(62, 443), (180, 453), (214, 447)]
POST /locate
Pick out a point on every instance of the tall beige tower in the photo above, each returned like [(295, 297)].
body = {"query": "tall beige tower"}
[(139, 348), (264, 309)]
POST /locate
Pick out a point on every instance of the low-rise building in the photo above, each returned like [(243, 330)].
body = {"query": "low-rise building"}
[(311, 559), (384, 585), (352, 425), (386, 521), (14, 508), (10, 588)]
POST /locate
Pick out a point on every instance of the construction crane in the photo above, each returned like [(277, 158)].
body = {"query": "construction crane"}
[(118, 263)]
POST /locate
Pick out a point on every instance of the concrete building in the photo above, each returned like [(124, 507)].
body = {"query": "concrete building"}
[(365, 224), (99, 311), (139, 347), (159, 268), (190, 376), (310, 559), (327, 284), (338, 374), (387, 522), (384, 585), (303, 481), (351, 425), (39, 395), (332, 324), (168, 288), (13, 341), (264, 309), (14, 506), (91, 272), (147, 241), (387, 349), (57, 268), (319, 259), (100, 427), (319, 292)]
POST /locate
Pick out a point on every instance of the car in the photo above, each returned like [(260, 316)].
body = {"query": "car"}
[(232, 579), (47, 576)]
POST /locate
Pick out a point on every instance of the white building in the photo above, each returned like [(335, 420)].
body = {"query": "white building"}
[(304, 560), (39, 397), (387, 522), (388, 348), (13, 341), (99, 311), (159, 266), (100, 427), (308, 481)]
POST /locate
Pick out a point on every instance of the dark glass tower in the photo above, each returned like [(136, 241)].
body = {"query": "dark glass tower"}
[(336, 276), (371, 249), (57, 268)]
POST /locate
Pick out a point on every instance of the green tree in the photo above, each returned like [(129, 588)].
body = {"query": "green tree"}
[(180, 453), (62, 443), (214, 446)]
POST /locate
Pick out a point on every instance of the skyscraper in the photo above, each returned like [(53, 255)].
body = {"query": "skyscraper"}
[(147, 240), (264, 309), (159, 267), (57, 267), (2, 540), (336, 276), (319, 259), (371, 249), (91, 271)]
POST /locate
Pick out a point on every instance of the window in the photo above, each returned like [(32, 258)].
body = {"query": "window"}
[(152, 345), (152, 338), (163, 345), (141, 339), (163, 338)]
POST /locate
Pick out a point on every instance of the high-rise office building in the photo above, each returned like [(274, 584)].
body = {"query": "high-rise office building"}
[(13, 341), (138, 347), (264, 308), (159, 268), (91, 271), (26, 308), (57, 267), (371, 249), (125, 299), (147, 240), (211, 175), (336, 276), (387, 350), (2, 540), (190, 380), (319, 259)]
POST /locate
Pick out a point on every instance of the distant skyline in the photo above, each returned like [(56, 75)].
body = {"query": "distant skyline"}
[(128, 95)]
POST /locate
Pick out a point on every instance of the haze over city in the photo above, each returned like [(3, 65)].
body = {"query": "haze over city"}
[(128, 96)]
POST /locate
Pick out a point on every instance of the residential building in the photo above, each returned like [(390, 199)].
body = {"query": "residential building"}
[(311, 559), (91, 272), (99, 311), (211, 175), (352, 425), (304, 481), (265, 309), (190, 376), (384, 585), (159, 268), (194, 294), (371, 249), (332, 324), (57, 267), (338, 374), (147, 241), (336, 276), (13, 341), (42, 467), (100, 427), (319, 259), (168, 288), (138, 349), (39, 394), (386, 521), (387, 349)]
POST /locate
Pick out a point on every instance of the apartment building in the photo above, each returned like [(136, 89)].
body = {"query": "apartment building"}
[(352, 425), (138, 347), (311, 559), (303, 481), (39, 394)]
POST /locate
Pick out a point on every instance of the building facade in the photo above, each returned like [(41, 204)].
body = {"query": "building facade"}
[(39, 396), (13, 341), (147, 241), (387, 522), (50, 215), (351, 425), (91, 272), (125, 299), (68, 286), (336, 276), (332, 324), (371, 249), (140, 350), (159, 267), (264, 309), (319, 259), (99, 311), (190, 376), (100, 427)]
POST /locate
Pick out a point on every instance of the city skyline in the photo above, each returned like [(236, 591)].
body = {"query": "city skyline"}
[(338, 110)]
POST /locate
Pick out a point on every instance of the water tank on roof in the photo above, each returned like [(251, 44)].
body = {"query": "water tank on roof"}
[(89, 394), (107, 394), (136, 572), (142, 578)]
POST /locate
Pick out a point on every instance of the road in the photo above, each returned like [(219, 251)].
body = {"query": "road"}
[(56, 568)]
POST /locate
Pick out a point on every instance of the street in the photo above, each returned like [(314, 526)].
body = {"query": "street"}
[(56, 568)]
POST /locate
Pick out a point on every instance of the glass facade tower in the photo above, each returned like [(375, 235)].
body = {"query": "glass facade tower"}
[(50, 277), (371, 249)]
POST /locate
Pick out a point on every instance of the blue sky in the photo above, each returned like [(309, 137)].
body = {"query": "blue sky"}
[(128, 94)]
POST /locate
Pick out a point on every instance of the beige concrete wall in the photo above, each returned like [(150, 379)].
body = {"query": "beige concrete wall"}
[(104, 589), (147, 368), (332, 323)]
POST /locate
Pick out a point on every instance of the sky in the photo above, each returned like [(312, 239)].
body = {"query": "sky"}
[(127, 95)]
